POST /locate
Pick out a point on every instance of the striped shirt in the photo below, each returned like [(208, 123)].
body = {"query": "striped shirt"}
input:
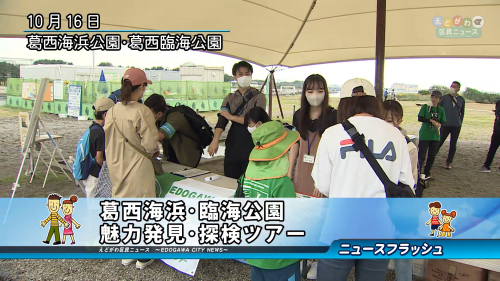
[(435, 220), (53, 219)]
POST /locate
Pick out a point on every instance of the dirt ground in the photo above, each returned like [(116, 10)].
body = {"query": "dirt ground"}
[(462, 181)]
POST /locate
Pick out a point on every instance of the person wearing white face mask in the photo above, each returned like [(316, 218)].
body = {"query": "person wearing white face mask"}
[(454, 108), (256, 117), (239, 142), (311, 120)]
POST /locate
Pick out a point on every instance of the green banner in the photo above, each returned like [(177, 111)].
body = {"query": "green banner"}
[(458, 32), (164, 183)]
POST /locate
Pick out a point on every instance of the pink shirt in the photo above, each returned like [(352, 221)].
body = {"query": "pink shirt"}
[(69, 230), (435, 220)]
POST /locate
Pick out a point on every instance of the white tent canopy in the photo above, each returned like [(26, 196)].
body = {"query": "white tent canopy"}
[(288, 33)]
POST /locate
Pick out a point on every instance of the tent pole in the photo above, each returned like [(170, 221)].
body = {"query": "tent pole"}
[(278, 98), (270, 107), (380, 48), (263, 85)]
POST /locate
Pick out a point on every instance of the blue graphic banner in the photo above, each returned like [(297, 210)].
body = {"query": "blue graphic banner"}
[(452, 228)]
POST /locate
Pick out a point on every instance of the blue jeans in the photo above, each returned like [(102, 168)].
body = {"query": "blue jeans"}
[(366, 270), (404, 269)]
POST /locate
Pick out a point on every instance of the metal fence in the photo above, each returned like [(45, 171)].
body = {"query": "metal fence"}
[(201, 96)]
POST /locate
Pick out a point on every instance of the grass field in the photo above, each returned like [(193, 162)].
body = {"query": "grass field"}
[(478, 123)]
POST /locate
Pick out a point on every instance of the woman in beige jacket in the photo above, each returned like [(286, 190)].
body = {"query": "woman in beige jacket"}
[(132, 174)]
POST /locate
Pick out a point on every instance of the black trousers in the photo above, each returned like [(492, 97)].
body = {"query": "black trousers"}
[(427, 148), (234, 168), (454, 132), (494, 144)]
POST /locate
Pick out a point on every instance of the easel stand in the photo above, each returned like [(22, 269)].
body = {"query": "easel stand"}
[(31, 141), (272, 84), (44, 148)]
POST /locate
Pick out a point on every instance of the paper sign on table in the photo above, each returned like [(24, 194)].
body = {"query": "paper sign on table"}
[(191, 173), (185, 266), (190, 188)]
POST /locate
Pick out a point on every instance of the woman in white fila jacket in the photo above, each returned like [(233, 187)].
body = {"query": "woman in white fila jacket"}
[(340, 172)]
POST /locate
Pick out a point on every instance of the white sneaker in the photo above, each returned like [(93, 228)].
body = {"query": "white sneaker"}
[(424, 177), (301, 265), (484, 170), (142, 265), (313, 272), (127, 262)]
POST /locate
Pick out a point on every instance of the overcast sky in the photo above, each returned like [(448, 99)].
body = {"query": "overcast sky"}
[(481, 74)]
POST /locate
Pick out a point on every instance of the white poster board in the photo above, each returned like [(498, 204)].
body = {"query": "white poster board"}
[(185, 266), (58, 90), (29, 91), (74, 100), (190, 188)]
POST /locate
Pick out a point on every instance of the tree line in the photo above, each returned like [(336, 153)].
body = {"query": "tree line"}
[(469, 93)]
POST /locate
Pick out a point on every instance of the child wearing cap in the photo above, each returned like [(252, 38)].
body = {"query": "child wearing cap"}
[(96, 143), (431, 115), (266, 177)]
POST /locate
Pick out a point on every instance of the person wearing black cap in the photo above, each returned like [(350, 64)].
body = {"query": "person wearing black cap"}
[(431, 115), (495, 141)]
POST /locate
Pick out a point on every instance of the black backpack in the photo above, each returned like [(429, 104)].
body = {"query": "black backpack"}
[(197, 123)]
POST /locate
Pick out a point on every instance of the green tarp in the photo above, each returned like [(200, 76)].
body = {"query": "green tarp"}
[(164, 183)]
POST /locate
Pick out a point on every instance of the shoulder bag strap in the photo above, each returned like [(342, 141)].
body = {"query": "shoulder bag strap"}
[(333, 117), (239, 191), (456, 104), (126, 140), (359, 144), (242, 105)]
